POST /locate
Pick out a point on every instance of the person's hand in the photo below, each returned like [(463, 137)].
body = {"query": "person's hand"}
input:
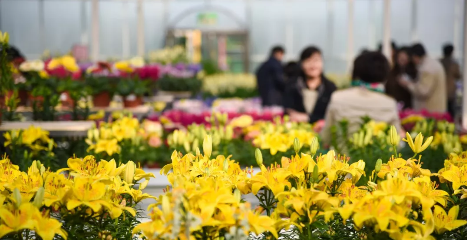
[(298, 117), (404, 82)]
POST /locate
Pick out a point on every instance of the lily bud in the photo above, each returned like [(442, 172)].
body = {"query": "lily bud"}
[(197, 151), (39, 197), (394, 137), (207, 146), (259, 157), (237, 195), (379, 162), (17, 197), (315, 173), (368, 136), (195, 144), (228, 132), (296, 145), (129, 172), (34, 168), (186, 145), (226, 165), (314, 146)]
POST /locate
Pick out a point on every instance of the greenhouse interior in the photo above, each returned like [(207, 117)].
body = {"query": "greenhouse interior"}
[(233, 119)]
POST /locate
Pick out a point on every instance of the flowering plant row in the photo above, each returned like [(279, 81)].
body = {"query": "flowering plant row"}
[(88, 199), (309, 196)]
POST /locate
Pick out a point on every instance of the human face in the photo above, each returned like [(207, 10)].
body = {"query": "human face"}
[(279, 56), (416, 60), (402, 59), (313, 66)]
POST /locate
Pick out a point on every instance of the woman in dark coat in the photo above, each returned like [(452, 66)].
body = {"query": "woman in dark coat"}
[(307, 98), (403, 68)]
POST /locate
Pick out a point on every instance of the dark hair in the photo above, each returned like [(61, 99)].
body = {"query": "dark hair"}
[(393, 46), (418, 50), (277, 49), (308, 52), (371, 67), (448, 49), (13, 53), (410, 69), (291, 70)]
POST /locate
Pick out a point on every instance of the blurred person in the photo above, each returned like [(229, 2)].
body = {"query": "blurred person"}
[(307, 97), (365, 98), (403, 68), (453, 74), (429, 89), (393, 51), (270, 78), (291, 70)]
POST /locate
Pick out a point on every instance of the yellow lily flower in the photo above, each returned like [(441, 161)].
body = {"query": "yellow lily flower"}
[(260, 224), (457, 176), (108, 146), (418, 146), (47, 228), (17, 219), (88, 193), (447, 222), (56, 187), (429, 194)]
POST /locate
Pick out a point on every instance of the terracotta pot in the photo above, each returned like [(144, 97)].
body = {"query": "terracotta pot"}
[(32, 99), (153, 165), (66, 100), (132, 102), (176, 95), (101, 99), (23, 97)]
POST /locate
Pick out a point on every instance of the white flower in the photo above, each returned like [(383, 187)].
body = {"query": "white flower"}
[(137, 62), (35, 66)]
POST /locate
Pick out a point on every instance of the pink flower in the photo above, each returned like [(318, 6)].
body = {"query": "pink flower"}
[(155, 141)]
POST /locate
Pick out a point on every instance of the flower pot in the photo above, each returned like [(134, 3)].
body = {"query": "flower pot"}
[(66, 100), (23, 97), (132, 101), (101, 99), (39, 100), (153, 165), (176, 95)]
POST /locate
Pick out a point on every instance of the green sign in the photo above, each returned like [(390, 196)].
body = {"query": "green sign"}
[(207, 18)]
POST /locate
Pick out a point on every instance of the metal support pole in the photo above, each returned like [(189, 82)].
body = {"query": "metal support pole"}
[(457, 27), (330, 28), (413, 25), (84, 27), (350, 38), (464, 75), (372, 20), (125, 31), (95, 30), (42, 25), (140, 33), (387, 29)]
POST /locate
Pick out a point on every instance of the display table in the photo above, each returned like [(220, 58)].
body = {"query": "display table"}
[(56, 128), (138, 112)]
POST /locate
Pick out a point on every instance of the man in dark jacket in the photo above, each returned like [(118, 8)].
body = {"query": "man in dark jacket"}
[(270, 79)]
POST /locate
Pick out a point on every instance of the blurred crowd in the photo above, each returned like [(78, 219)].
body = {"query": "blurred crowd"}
[(381, 87)]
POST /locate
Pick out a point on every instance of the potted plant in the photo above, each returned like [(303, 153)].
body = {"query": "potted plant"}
[(101, 83), (6, 79), (179, 80), (132, 91), (130, 86), (76, 91)]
